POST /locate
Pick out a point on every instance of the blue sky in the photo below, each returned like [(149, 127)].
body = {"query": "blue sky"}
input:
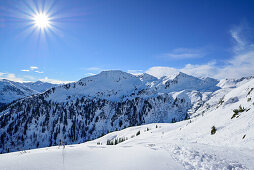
[(201, 37)]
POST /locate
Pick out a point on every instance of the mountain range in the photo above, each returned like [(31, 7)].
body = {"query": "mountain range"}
[(109, 101), (10, 90)]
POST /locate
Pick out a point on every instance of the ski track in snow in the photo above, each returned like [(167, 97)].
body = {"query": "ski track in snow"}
[(63, 158), (193, 159)]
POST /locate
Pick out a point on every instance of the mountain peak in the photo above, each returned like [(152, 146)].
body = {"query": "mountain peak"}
[(182, 74), (147, 77), (109, 76), (114, 73)]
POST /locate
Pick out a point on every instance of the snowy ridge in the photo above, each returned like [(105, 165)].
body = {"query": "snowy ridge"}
[(183, 81), (232, 83), (117, 85)]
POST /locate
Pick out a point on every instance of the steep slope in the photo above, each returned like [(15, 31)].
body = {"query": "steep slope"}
[(95, 105)]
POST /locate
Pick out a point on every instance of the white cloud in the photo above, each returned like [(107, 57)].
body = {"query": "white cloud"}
[(40, 72), (26, 78), (241, 36), (11, 76), (185, 53), (33, 67), (240, 43), (54, 81), (94, 69), (90, 74), (91, 71), (161, 71), (241, 64), (135, 72), (201, 70), (1, 74)]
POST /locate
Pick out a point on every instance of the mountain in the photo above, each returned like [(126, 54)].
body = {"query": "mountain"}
[(182, 81), (96, 105), (39, 86), (11, 91), (116, 85), (219, 135)]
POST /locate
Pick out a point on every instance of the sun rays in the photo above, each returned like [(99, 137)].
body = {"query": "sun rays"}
[(41, 20)]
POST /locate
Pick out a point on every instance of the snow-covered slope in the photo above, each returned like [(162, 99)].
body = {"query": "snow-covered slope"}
[(10, 91), (182, 81), (113, 85), (188, 144), (232, 83)]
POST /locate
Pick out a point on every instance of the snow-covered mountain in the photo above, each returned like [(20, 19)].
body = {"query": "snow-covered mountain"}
[(117, 85), (10, 90), (40, 86), (112, 100), (220, 135)]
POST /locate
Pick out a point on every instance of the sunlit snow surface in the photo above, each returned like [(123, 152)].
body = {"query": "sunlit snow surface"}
[(182, 145)]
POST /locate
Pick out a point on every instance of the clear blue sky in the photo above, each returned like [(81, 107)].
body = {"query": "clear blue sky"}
[(90, 36)]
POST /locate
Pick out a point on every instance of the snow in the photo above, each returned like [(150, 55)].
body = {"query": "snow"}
[(232, 83), (40, 86), (112, 85), (157, 148), (182, 145), (85, 156), (10, 90), (182, 81), (116, 85)]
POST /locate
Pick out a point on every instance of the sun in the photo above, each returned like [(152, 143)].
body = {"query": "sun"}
[(41, 20)]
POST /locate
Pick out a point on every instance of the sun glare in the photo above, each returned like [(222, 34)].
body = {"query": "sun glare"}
[(41, 21), (39, 18)]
